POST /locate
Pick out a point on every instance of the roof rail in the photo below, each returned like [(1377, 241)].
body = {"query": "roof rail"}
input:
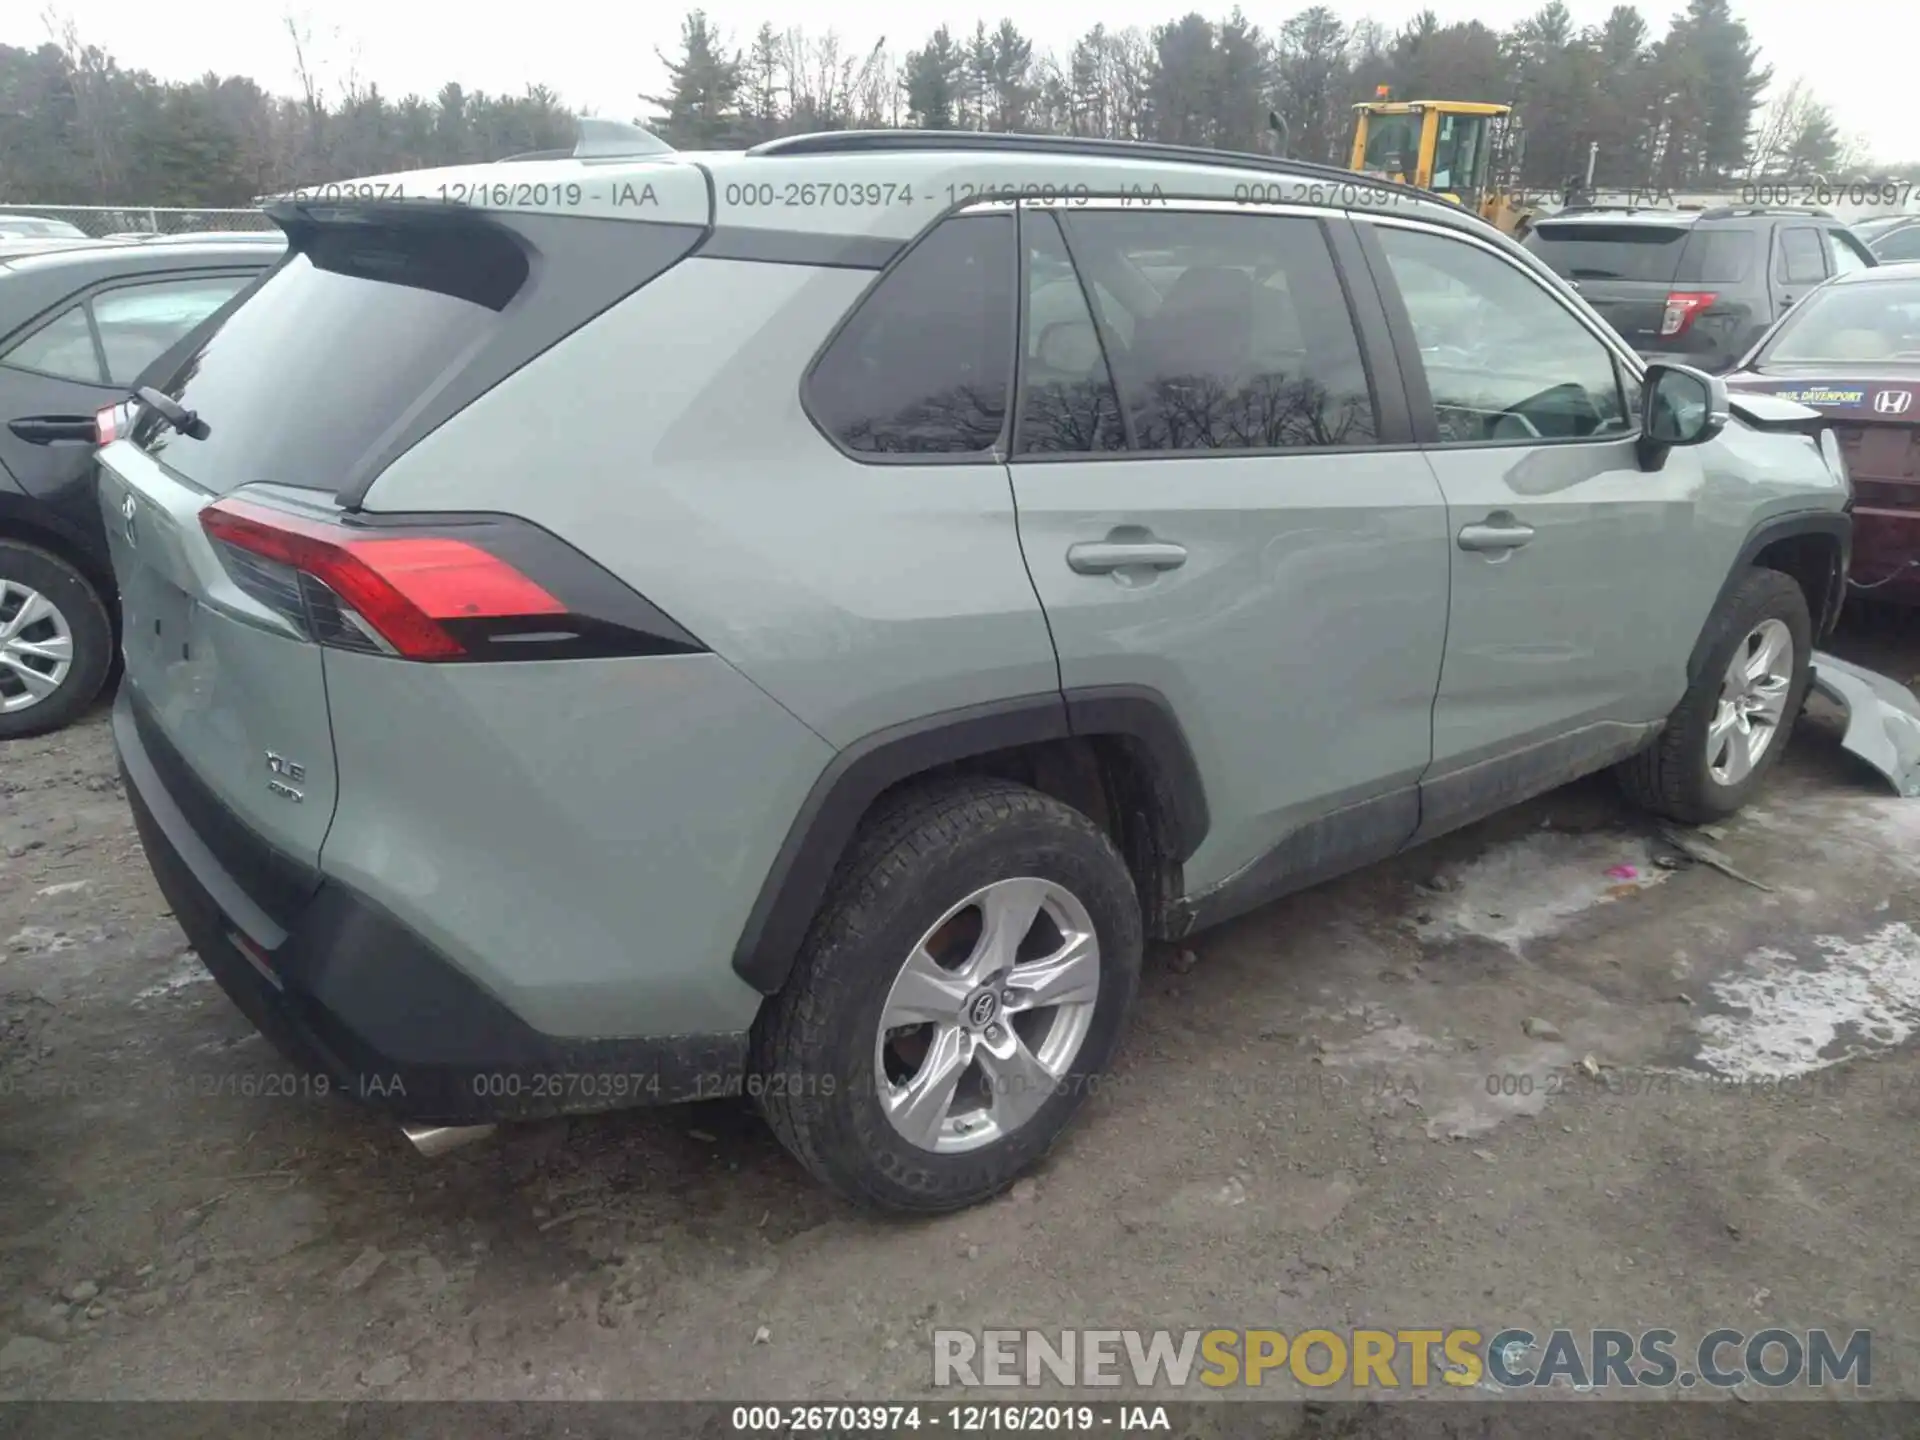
[(1729, 212), (857, 142), (1601, 209), (615, 140)]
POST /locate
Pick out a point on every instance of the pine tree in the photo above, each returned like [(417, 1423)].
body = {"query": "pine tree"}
[(702, 109)]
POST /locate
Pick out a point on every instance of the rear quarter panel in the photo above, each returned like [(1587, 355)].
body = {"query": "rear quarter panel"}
[(583, 838)]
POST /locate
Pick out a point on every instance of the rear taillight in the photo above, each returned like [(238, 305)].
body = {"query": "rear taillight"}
[(111, 423), (435, 588), (1682, 307)]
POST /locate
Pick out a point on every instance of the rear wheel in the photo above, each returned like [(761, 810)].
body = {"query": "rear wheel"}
[(963, 988), (1732, 725), (56, 642)]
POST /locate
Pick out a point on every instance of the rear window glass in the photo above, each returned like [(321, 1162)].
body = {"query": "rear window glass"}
[(1716, 256), (1860, 323), (1582, 251), (333, 351)]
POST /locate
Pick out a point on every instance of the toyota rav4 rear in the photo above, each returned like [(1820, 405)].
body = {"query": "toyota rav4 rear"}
[(436, 884)]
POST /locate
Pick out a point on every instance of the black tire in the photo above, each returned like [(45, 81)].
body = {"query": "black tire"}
[(812, 1065), (92, 630), (1672, 777)]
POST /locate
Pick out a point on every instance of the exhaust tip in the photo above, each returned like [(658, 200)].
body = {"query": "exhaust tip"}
[(431, 1140)]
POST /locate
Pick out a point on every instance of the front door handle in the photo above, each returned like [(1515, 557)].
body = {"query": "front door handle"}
[(1103, 557), (1499, 531)]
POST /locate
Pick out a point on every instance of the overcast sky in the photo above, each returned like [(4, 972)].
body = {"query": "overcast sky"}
[(600, 55)]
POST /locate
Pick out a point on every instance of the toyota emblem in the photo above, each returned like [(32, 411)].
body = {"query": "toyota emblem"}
[(1893, 402)]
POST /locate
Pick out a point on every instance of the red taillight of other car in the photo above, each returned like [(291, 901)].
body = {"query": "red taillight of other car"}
[(1682, 307)]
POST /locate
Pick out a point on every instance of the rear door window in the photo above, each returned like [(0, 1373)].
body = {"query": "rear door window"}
[(1902, 244), (62, 348), (138, 323), (1843, 255), (924, 366), (1236, 336), (1803, 260), (1582, 250), (1718, 256), (1068, 402)]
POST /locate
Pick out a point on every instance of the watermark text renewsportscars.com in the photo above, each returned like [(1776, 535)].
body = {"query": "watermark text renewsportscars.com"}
[(1376, 1360)]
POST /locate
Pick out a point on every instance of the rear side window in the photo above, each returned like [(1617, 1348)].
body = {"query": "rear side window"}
[(1579, 250), (1802, 261), (1718, 256), (924, 366)]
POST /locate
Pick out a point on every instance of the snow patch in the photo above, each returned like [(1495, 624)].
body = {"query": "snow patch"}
[(41, 940), (186, 971), (1529, 888), (1789, 1016)]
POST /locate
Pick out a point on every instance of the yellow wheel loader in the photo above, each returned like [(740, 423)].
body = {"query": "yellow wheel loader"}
[(1463, 151)]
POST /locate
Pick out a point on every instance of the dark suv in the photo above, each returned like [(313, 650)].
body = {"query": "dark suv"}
[(79, 321), (1695, 287)]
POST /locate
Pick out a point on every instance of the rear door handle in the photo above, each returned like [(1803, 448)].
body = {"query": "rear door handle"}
[(55, 429), (1103, 557), (1496, 532)]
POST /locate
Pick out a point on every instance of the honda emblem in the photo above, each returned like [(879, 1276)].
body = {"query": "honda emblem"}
[(1893, 402)]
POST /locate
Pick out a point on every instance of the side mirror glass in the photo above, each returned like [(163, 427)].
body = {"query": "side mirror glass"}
[(1681, 406), (1069, 347)]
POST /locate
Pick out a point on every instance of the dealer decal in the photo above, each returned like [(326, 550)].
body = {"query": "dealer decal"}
[(1823, 395)]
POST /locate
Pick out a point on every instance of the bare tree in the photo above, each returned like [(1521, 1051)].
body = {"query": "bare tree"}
[(1780, 125), (312, 95), (91, 87)]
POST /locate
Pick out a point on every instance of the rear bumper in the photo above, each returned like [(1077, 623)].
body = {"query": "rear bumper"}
[(346, 991)]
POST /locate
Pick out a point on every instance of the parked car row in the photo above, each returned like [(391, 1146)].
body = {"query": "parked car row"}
[(696, 641), (79, 321), (1788, 302)]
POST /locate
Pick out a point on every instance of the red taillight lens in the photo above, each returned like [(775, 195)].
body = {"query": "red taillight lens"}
[(1682, 307), (399, 588), (110, 424)]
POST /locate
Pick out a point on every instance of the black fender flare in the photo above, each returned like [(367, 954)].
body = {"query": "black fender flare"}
[(830, 815), (1836, 524)]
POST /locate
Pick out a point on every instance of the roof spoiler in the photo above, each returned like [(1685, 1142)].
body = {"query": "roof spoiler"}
[(598, 139)]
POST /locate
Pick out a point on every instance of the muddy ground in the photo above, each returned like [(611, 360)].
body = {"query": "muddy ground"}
[(1307, 1129)]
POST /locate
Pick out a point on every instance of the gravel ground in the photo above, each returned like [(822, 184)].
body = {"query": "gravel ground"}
[(1311, 1126)]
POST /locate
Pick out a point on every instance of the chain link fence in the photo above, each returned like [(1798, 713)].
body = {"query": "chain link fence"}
[(99, 221)]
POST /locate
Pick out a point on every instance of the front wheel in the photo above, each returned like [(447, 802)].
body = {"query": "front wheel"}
[(1732, 725), (962, 991)]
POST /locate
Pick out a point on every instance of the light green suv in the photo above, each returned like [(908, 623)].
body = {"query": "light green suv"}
[(640, 626)]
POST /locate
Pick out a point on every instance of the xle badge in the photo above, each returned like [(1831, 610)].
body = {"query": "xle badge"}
[(283, 770)]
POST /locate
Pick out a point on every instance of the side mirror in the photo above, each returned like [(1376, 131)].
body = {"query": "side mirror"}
[(1069, 347), (1679, 406)]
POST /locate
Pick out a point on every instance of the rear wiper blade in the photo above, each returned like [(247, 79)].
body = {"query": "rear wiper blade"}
[(186, 421), (1579, 274)]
